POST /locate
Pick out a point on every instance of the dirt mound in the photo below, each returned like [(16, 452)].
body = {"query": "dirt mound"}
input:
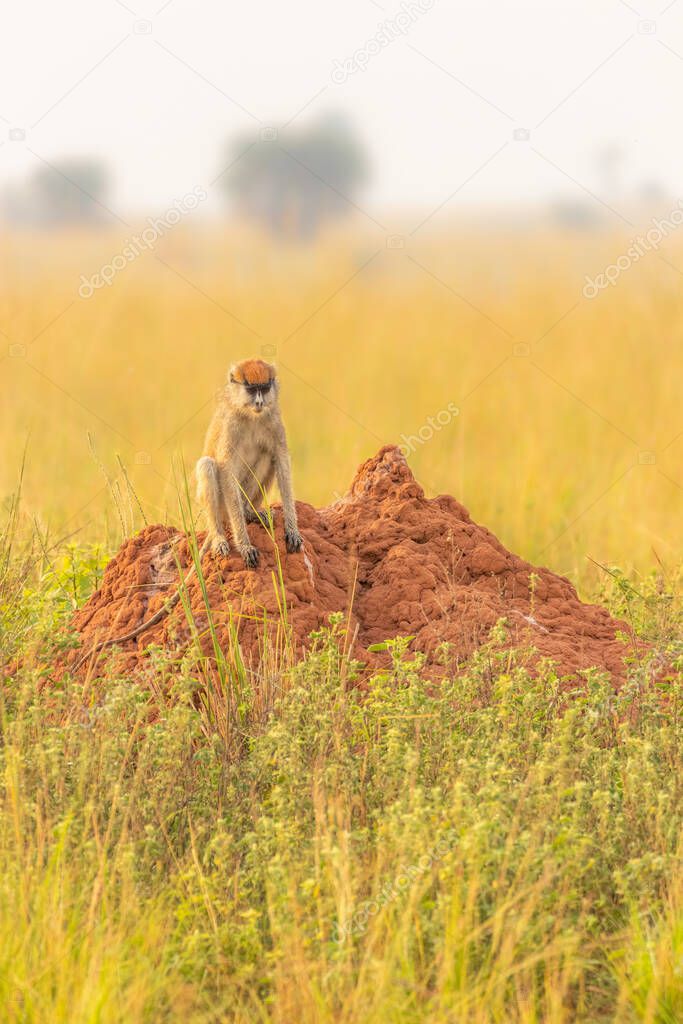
[(411, 566)]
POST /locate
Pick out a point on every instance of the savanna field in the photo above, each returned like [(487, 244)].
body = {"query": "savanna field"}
[(285, 846)]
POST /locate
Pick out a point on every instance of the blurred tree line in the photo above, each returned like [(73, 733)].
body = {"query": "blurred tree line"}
[(290, 182)]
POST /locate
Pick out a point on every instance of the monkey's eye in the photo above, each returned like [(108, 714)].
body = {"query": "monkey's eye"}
[(255, 389)]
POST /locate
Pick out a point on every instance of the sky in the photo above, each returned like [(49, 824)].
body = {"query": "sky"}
[(465, 102)]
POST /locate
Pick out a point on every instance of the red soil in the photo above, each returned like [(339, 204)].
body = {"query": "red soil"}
[(413, 567)]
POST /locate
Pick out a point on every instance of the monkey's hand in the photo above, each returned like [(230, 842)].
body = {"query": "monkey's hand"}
[(293, 539), (220, 547), (250, 555), (263, 518)]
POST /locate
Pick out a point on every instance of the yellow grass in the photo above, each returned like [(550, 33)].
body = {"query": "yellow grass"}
[(546, 449), (147, 872)]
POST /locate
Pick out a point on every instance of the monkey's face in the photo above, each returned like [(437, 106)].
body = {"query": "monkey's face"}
[(253, 398), (259, 397)]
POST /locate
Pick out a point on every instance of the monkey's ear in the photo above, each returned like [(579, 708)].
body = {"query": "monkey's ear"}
[(231, 374)]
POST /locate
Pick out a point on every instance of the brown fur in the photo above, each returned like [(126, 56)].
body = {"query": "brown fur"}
[(253, 371)]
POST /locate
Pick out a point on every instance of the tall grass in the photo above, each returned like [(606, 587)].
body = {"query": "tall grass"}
[(559, 397), (208, 845), (499, 850)]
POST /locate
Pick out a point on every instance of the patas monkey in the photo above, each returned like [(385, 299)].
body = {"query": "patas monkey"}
[(245, 447)]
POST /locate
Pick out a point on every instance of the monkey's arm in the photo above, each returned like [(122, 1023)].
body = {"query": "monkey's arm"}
[(283, 473), (166, 607)]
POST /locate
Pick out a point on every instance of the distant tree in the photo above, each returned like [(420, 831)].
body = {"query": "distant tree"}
[(297, 180), (71, 191), (610, 162)]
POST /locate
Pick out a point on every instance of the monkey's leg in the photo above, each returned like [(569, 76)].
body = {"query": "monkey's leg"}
[(283, 473), (209, 494), (254, 499), (234, 505)]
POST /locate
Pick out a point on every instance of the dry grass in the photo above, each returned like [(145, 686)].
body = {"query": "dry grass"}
[(241, 855), (552, 422)]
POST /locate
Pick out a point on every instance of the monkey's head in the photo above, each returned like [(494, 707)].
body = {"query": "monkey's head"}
[(252, 386)]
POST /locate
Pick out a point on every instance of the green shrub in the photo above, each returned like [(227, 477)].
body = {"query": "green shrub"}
[(492, 849)]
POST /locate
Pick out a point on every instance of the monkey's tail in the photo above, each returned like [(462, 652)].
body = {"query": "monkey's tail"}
[(167, 607)]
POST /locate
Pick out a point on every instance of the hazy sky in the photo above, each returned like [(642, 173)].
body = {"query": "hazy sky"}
[(157, 88)]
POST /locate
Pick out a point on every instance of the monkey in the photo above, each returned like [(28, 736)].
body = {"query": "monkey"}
[(245, 449)]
